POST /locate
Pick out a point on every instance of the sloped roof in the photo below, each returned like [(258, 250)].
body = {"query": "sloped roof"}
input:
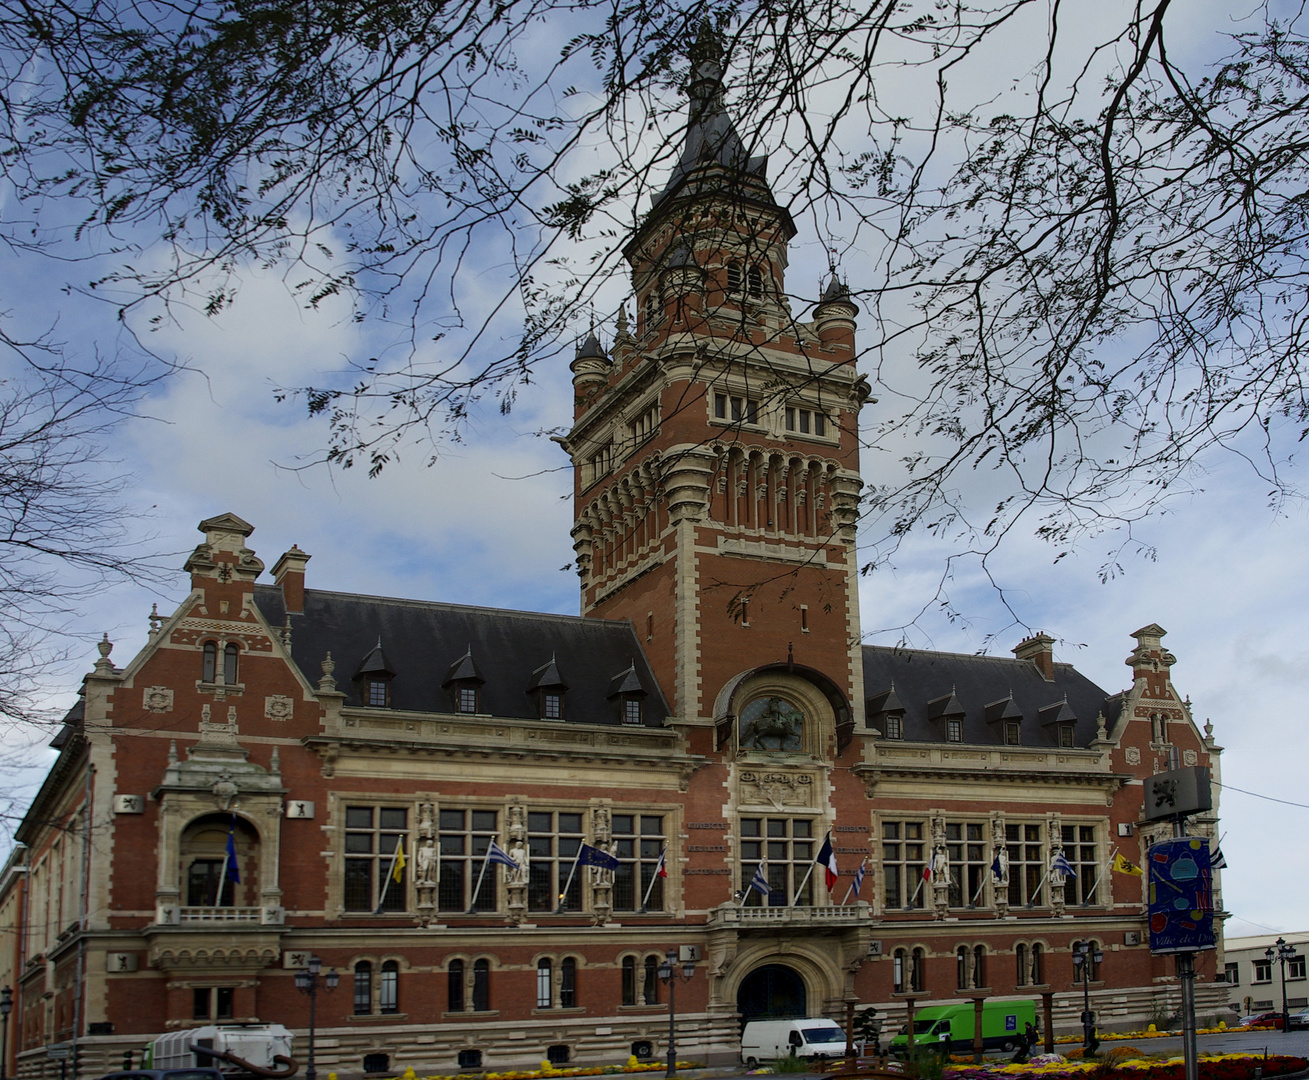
[(976, 682), (424, 639)]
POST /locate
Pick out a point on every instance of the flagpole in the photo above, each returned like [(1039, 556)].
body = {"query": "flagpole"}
[(850, 888), (1099, 873), (655, 877), (745, 892), (227, 854), (982, 887), (921, 879), (1037, 890), (803, 883), (385, 883), (472, 901), (571, 874)]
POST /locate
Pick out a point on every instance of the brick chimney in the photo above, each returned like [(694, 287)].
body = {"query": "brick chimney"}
[(289, 573), (1039, 648)]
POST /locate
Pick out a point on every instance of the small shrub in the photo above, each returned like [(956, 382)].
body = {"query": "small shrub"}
[(790, 1064)]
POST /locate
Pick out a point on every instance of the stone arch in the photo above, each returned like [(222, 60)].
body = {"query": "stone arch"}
[(821, 702), (817, 969), (203, 855)]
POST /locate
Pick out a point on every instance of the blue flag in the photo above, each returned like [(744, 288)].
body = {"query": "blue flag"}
[(1061, 864), (859, 877), (997, 868), (495, 853), (760, 880), (233, 871), (593, 856)]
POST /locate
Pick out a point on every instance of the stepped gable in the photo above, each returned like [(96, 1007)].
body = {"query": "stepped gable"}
[(423, 639), (922, 677)]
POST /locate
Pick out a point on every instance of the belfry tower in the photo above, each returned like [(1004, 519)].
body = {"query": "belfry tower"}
[(715, 449)]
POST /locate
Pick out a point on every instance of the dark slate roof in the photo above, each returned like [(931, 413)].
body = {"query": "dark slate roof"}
[(711, 138), (981, 685), (425, 640)]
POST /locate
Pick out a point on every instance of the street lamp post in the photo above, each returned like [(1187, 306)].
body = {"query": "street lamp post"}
[(1279, 951), (669, 974), (306, 981), (1084, 957), (6, 1007)]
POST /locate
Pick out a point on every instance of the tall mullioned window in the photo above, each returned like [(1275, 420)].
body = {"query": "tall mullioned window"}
[(371, 865), (638, 840), (1079, 850), (553, 839), (788, 845), (1027, 863), (903, 857), (965, 844), (465, 837)]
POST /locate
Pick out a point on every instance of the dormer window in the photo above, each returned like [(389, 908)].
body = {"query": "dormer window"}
[(627, 693), (1013, 733), (1066, 736), (548, 688), (894, 727), (464, 682), (954, 730), (373, 679)]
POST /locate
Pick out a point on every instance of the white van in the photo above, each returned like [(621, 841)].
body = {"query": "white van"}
[(767, 1040)]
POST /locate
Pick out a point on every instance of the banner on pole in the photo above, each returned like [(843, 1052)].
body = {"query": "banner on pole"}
[(1181, 896)]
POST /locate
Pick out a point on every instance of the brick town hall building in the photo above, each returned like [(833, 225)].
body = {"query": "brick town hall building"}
[(713, 702)]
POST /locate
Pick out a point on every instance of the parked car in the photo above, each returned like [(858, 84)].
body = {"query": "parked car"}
[(1298, 1021), (1263, 1019)]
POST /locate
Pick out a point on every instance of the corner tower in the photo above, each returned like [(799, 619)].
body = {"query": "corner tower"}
[(715, 449)]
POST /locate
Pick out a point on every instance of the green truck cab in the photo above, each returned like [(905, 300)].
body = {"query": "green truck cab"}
[(1003, 1024)]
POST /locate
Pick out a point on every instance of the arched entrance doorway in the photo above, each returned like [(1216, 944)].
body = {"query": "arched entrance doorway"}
[(773, 991)]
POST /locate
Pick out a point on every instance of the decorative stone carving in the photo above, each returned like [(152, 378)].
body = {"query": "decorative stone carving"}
[(158, 699), (1132, 755), (278, 707), (226, 792), (1190, 757), (778, 789)]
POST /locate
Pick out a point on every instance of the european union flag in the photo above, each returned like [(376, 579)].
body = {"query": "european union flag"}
[(593, 856), (233, 871)]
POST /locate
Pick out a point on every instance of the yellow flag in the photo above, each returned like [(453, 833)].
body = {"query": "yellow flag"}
[(1125, 867), (398, 874)]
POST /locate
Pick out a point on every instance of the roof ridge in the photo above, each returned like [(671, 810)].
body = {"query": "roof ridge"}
[(401, 601), (961, 655)]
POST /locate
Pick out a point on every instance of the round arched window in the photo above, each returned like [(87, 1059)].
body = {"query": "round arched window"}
[(772, 723)]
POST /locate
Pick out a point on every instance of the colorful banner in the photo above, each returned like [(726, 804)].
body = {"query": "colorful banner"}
[(1181, 896)]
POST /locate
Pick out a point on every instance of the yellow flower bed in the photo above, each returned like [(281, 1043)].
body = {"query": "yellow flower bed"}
[(552, 1073)]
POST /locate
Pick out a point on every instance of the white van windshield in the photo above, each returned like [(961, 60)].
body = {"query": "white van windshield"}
[(823, 1035)]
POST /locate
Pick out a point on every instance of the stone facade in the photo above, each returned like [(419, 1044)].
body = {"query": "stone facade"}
[(231, 800)]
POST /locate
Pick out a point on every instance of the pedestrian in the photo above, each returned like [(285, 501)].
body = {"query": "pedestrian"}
[(1030, 1035)]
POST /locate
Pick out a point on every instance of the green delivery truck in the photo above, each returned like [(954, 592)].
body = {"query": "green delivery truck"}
[(1003, 1024)]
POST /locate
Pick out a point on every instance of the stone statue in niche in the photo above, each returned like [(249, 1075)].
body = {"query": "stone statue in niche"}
[(772, 723), (425, 858), (517, 852)]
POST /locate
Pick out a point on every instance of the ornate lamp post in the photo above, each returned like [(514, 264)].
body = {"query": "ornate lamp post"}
[(669, 973), (1084, 958), (306, 981), (1279, 951), (7, 1006)]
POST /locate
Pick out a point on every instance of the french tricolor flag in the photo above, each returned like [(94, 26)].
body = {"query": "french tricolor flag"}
[(827, 860)]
